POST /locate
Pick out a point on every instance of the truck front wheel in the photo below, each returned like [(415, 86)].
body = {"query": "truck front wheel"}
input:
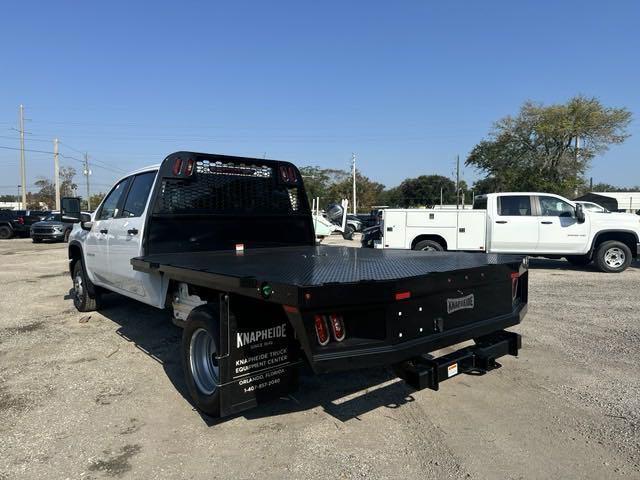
[(200, 350), (613, 257), (83, 300)]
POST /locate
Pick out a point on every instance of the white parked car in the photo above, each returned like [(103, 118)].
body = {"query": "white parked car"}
[(536, 224), (592, 207)]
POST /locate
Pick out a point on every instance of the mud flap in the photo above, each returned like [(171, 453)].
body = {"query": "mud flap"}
[(259, 358)]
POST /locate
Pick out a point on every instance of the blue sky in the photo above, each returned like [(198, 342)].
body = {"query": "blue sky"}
[(405, 85)]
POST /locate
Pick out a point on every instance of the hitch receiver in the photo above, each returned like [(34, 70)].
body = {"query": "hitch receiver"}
[(427, 372)]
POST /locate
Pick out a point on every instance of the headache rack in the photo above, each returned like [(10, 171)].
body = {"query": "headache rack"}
[(240, 187)]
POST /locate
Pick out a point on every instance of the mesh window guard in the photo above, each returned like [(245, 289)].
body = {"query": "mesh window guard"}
[(228, 188)]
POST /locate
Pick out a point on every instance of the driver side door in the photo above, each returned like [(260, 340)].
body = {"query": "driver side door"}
[(96, 247)]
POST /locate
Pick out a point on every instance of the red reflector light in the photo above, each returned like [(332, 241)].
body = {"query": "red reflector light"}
[(188, 170), (337, 327), (292, 175), (284, 174), (290, 309), (177, 166), (322, 331), (515, 275), (403, 295), (21, 220)]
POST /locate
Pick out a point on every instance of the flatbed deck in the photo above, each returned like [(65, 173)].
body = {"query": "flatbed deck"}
[(293, 269)]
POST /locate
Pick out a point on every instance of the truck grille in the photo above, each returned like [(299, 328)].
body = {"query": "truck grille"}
[(42, 230)]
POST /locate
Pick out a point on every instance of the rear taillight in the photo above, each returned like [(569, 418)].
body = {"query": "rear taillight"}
[(188, 169), (284, 174), (322, 331), (515, 276), (177, 166), (21, 220), (288, 174), (337, 327)]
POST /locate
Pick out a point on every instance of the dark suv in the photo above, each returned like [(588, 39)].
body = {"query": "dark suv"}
[(17, 223), (51, 228)]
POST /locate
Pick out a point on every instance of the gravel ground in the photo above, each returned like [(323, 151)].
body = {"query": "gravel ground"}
[(102, 396)]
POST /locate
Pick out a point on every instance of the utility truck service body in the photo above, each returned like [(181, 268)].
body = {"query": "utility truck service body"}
[(227, 244), (537, 224)]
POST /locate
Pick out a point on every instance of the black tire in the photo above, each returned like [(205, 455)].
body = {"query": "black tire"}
[(36, 240), (5, 232), (428, 245), (66, 235), (613, 257), (83, 300), (579, 260), (348, 232), (202, 385)]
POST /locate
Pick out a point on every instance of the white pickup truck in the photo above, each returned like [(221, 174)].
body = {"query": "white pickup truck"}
[(536, 224)]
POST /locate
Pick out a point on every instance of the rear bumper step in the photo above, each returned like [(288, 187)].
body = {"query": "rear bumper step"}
[(422, 372)]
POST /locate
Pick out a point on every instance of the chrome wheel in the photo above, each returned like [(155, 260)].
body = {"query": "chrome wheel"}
[(614, 257), (78, 287), (203, 361)]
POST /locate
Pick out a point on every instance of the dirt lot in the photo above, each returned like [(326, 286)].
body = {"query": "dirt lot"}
[(105, 398)]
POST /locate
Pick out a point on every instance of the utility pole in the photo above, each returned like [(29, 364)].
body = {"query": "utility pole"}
[(457, 181), (353, 170), (23, 170), (86, 173), (56, 172), (575, 192)]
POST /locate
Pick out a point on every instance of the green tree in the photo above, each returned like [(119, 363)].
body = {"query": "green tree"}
[(318, 181), (536, 150), (368, 191), (46, 193), (425, 191)]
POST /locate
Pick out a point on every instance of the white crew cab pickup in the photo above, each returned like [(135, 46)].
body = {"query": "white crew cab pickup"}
[(536, 224)]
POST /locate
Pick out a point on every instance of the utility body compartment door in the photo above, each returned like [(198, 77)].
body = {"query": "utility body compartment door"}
[(472, 230), (395, 231)]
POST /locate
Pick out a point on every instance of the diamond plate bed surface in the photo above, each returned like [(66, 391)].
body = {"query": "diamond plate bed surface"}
[(308, 266)]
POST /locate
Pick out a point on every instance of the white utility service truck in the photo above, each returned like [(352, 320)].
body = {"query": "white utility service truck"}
[(536, 224)]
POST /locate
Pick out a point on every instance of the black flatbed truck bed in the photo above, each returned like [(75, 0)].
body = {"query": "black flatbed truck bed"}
[(394, 303)]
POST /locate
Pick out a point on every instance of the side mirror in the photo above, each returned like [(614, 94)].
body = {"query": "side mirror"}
[(579, 213), (70, 209)]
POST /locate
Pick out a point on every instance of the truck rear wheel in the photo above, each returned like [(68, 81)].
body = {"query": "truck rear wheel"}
[(83, 300), (200, 350), (613, 257), (428, 245), (5, 232)]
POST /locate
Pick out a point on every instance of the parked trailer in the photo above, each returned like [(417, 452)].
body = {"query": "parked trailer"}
[(228, 244)]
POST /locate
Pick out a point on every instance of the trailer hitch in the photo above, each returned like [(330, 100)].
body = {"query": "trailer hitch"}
[(427, 372)]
